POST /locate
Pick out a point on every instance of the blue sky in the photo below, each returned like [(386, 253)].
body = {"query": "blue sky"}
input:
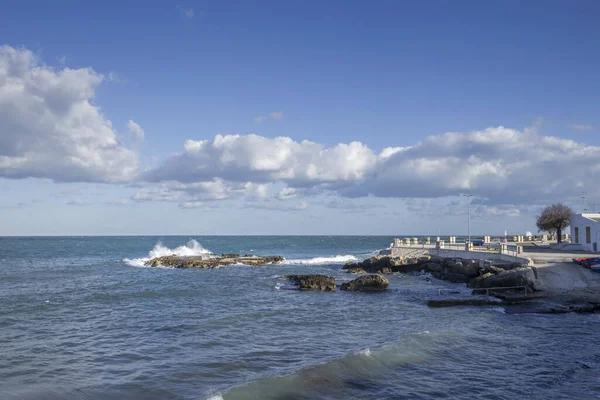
[(387, 74)]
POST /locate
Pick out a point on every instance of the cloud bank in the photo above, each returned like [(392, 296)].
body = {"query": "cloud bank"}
[(501, 165), (49, 127)]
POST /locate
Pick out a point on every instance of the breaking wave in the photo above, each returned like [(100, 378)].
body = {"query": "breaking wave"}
[(191, 248), (323, 260)]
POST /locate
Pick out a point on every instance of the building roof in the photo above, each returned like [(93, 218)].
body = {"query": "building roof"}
[(591, 216)]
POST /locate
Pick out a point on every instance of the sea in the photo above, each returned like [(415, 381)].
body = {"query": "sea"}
[(83, 318)]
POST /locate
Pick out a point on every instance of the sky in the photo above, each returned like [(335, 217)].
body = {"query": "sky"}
[(296, 117)]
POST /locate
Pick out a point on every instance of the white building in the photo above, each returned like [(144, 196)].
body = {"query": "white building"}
[(585, 230)]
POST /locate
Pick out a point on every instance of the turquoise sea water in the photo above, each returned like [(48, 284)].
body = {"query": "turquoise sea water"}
[(80, 318)]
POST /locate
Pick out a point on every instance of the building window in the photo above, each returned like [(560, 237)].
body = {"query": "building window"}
[(576, 234), (588, 235)]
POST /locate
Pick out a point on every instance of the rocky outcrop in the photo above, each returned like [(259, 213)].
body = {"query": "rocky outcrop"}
[(313, 282), (522, 276), (211, 262), (356, 271), (368, 283), (387, 264), (477, 273)]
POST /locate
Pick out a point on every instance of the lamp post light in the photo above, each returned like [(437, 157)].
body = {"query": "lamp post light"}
[(468, 196)]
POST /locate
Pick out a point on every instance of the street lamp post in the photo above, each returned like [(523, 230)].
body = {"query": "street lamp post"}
[(468, 196)]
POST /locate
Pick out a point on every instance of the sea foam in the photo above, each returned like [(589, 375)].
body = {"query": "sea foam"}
[(191, 248), (339, 259)]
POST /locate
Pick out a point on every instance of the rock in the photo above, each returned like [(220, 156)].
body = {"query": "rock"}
[(368, 283), (476, 282), (461, 302), (230, 255), (437, 259), (522, 276), (491, 269), (356, 271), (211, 262), (397, 261), (468, 269), (386, 271), (313, 282), (433, 267), (455, 278)]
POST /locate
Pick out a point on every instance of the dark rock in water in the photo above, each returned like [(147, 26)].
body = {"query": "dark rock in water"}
[(461, 302), (455, 278), (433, 267), (386, 271), (368, 283), (387, 264), (313, 282), (211, 262), (490, 269), (580, 308), (523, 276), (477, 282), (230, 255), (356, 271)]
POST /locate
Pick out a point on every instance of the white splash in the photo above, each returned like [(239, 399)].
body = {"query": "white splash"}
[(191, 248), (365, 352), (339, 259), (215, 397)]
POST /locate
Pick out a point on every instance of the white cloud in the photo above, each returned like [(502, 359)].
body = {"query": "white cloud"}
[(258, 159), (192, 204), (76, 202), (260, 120), (186, 12), (136, 131), (278, 206), (582, 127), (287, 193), (49, 127), (500, 165), (274, 116)]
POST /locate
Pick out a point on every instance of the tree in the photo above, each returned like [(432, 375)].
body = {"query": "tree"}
[(554, 218)]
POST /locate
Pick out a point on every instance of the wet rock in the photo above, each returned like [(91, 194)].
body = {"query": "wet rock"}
[(455, 278), (356, 271), (386, 271), (523, 276), (212, 262), (476, 282), (368, 283), (461, 302), (313, 282), (433, 267), (491, 270)]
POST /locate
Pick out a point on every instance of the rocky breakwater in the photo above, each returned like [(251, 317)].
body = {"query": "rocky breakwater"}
[(313, 282), (477, 274), (174, 261), (366, 283)]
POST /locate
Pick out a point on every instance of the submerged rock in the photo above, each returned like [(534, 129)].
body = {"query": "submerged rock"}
[(368, 283), (356, 271), (211, 262), (313, 282), (461, 302)]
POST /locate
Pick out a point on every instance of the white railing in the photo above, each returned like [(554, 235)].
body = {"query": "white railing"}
[(500, 248)]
